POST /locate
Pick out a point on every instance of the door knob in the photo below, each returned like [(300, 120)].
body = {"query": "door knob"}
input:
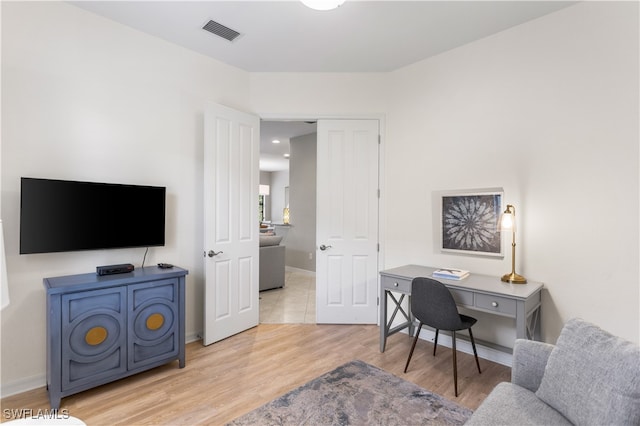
[(213, 253), (323, 247)]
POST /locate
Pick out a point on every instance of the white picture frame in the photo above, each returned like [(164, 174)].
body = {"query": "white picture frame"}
[(469, 222)]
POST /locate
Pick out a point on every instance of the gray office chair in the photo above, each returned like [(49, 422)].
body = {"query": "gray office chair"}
[(433, 305)]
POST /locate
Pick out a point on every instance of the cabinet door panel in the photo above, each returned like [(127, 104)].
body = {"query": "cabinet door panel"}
[(161, 289), (93, 336), (84, 372), (153, 326), (159, 350)]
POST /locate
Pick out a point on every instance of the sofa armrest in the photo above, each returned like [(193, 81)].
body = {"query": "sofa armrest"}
[(529, 361)]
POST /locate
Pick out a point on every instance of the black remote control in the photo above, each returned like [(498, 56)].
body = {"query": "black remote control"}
[(165, 265)]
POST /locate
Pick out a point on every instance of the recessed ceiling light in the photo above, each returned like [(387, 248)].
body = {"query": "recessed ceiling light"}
[(287, 155), (322, 4), (275, 141)]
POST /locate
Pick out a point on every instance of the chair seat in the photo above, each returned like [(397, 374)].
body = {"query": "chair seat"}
[(467, 321)]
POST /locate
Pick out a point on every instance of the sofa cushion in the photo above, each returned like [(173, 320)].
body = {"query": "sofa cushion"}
[(593, 377), (510, 404), (270, 240), (529, 361)]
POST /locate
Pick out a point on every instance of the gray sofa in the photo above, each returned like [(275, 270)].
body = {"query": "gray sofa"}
[(589, 377), (271, 268)]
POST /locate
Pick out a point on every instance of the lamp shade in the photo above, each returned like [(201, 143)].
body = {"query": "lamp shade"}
[(263, 190), (322, 4), (507, 220)]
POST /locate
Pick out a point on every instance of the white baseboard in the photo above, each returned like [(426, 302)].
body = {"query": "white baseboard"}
[(23, 385), (192, 337), (299, 271), (484, 352)]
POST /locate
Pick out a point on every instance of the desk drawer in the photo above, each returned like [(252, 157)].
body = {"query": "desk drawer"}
[(396, 284), (462, 297), (497, 304)]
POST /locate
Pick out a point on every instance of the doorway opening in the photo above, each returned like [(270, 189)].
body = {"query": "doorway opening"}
[(287, 168), (334, 197)]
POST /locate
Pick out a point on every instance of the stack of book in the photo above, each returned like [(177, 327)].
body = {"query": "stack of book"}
[(450, 273)]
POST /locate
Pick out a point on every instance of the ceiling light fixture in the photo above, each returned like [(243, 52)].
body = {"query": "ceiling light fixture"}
[(322, 4), (287, 155), (275, 141)]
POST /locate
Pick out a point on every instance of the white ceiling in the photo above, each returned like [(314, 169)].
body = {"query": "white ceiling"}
[(286, 36), (359, 36), (272, 155)]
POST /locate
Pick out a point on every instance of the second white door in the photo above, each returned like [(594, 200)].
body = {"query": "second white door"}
[(231, 178), (347, 221)]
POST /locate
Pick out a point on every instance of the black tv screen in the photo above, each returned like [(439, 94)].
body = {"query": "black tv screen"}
[(60, 215)]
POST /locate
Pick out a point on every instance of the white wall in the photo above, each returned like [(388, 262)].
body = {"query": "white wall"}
[(279, 181), (314, 95), (301, 237), (84, 98), (549, 111)]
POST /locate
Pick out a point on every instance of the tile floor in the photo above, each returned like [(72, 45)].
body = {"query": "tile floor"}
[(293, 304)]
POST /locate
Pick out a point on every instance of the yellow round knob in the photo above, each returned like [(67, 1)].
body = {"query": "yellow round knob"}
[(155, 321), (96, 335)]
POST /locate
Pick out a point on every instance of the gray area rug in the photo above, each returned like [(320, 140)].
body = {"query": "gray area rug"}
[(357, 393)]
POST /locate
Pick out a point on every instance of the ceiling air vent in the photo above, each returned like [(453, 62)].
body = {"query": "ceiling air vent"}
[(221, 31)]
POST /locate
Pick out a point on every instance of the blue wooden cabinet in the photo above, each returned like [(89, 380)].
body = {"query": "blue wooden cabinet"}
[(104, 328)]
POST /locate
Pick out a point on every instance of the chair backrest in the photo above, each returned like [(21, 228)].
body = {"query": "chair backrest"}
[(433, 305)]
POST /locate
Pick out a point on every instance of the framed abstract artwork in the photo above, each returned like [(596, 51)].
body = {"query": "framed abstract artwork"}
[(470, 222)]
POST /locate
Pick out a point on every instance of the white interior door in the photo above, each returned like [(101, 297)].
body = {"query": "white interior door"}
[(231, 179), (347, 222)]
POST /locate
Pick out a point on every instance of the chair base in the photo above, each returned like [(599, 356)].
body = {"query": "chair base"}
[(454, 353)]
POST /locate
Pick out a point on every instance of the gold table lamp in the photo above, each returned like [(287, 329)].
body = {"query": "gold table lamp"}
[(508, 222)]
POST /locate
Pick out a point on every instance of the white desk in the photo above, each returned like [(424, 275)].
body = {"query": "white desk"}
[(477, 292)]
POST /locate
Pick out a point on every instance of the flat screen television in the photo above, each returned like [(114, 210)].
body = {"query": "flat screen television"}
[(61, 215)]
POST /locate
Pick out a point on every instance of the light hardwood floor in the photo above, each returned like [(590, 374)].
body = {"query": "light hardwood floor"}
[(225, 380)]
